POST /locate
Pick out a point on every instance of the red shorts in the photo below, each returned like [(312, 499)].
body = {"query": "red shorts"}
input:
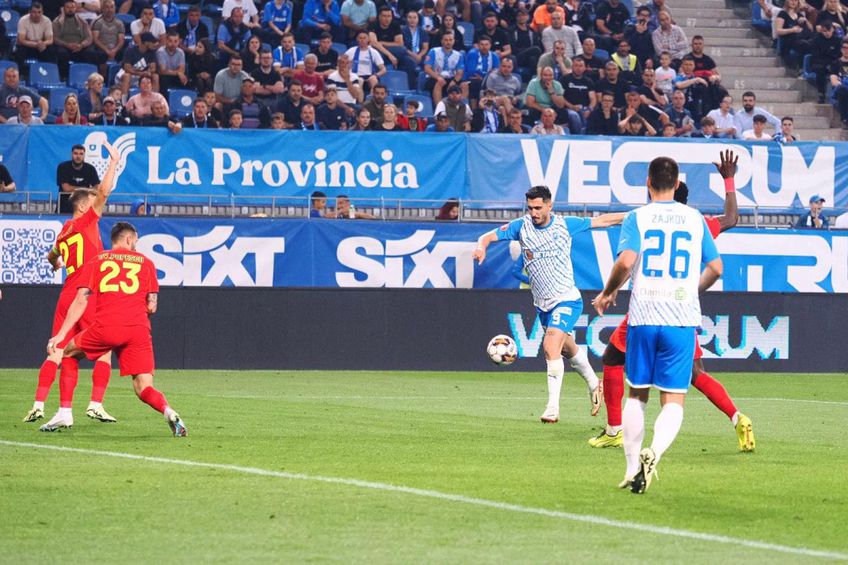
[(66, 298), (132, 344), (618, 339)]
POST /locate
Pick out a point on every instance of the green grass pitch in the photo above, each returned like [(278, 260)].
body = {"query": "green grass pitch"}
[(497, 486)]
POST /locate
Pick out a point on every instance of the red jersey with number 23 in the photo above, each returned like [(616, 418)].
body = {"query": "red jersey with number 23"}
[(78, 243), (121, 280)]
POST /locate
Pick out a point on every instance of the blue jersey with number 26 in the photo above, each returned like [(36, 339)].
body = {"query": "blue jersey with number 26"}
[(671, 241)]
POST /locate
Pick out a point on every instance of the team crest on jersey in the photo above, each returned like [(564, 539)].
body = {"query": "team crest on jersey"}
[(504, 227)]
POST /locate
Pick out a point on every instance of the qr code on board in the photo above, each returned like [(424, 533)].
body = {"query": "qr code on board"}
[(24, 246)]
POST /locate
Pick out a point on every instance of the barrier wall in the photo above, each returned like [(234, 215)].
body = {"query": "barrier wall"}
[(373, 254), (212, 328), (412, 166)]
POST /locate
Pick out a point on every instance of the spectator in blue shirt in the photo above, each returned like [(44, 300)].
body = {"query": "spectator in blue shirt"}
[(167, 11), (814, 219), (442, 124), (478, 64), (320, 16), (318, 204), (276, 20)]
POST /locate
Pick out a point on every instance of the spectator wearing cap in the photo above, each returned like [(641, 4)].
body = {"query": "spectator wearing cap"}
[(330, 114), (139, 61), (141, 105), (444, 67), (442, 124), (25, 117), (255, 115), (456, 110), (757, 133), (139, 208), (35, 37), (199, 117), (12, 90), (148, 23), (814, 219), (110, 116), (228, 82)]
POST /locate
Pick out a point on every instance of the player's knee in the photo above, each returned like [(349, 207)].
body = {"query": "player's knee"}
[(612, 356)]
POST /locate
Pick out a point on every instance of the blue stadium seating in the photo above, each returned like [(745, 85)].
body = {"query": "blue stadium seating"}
[(210, 27), (181, 102), (127, 19), (303, 47), (467, 29), (397, 82), (602, 54), (44, 76), (57, 99), (425, 104), (22, 5), (10, 18), (339, 48), (78, 73)]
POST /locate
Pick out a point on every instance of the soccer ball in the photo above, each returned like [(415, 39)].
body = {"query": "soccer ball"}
[(502, 350)]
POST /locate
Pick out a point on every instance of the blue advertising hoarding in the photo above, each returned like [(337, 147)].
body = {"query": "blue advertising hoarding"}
[(372, 254), (412, 166)]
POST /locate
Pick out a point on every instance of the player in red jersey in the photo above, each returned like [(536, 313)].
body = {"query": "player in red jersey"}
[(77, 244), (124, 286), (613, 357)]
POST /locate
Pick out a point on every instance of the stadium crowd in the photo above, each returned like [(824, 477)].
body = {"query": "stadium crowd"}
[(503, 66)]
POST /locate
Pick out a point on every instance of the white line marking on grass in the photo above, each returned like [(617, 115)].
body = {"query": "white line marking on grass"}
[(583, 518)]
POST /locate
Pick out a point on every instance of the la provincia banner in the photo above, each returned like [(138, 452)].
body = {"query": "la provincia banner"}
[(372, 254), (413, 166)]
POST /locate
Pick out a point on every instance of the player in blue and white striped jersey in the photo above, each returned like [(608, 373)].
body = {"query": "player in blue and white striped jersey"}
[(545, 241), (662, 248)]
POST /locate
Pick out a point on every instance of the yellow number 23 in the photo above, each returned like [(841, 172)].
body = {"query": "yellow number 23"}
[(128, 286)]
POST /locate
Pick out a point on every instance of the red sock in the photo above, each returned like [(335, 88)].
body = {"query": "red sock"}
[(46, 376), (68, 381), (613, 392), (154, 398), (716, 392), (100, 380)]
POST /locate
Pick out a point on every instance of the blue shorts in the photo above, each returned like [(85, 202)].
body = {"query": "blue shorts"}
[(563, 316), (660, 356)]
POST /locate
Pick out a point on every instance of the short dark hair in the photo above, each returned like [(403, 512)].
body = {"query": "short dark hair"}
[(484, 37), (79, 195), (787, 119), (663, 173), (385, 8), (749, 93), (77, 146), (295, 82), (578, 58), (317, 194), (119, 229), (235, 57), (326, 35), (379, 85), (539, 191), (194, 9), (694, 37), (643, 9), (681, 194), (36, 6), (760, 119)]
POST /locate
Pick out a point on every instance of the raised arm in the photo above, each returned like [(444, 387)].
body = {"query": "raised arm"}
[(607, 220), (108, 182), (727, 169)]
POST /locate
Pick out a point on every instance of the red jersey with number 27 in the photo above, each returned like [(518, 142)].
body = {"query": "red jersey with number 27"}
[(78, 243), (121, 280)]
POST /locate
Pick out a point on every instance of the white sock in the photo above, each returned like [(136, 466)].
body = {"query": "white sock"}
[(167, 413), (65, 412), (38, 405), (580, 363), (633, 423), (613, 430), (94, 405), (556, 369), (666, 427), (735, 418)]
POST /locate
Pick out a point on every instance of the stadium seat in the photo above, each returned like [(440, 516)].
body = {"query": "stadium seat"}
[(127, 19), (44, 76), (181, 102), (267, 47), (397, 82), (22, 5), (339, 47), (10, 18), (602, 54), (303, 48), (210, 27), (467, 34), (422, 80), (57, 99), (78, 73), (425, 104), (113, 69), (629, 5)]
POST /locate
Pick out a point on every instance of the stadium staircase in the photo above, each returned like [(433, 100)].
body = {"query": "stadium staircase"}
[(747, 61)]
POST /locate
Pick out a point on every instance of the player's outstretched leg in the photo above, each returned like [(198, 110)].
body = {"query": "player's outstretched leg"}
[(143, 386), (612, 435), (99, 381), (46, 376), (579, 361), (64, 417), (717, 394)]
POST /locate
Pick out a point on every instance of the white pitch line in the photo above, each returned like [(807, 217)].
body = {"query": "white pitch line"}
[(434, 494)]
